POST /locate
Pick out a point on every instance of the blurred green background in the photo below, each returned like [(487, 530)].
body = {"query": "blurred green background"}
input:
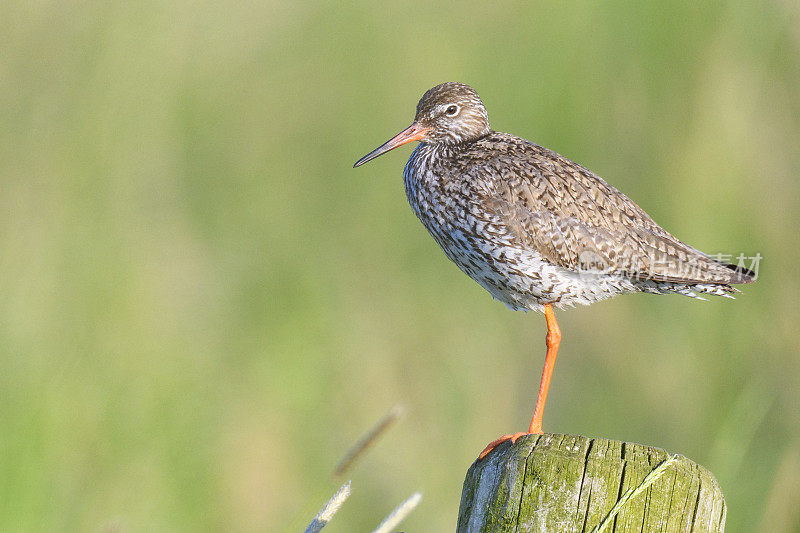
[(203, 305)]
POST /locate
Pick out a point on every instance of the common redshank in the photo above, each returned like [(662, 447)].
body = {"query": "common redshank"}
[(533, 228)]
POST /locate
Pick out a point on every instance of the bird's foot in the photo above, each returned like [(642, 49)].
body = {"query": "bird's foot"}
[(513, 438)]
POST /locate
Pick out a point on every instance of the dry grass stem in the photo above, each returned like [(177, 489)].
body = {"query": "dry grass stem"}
[(399, 514), (329, 509), (368, 439)]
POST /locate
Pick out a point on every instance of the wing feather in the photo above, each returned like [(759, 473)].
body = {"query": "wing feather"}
[(575, 219)]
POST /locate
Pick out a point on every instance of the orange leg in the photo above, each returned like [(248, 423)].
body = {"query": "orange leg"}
[(553, 339)]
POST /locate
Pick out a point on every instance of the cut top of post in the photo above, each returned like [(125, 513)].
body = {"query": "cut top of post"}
[(571, 483)]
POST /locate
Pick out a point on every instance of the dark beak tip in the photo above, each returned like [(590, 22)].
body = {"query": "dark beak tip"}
[(411, 133)]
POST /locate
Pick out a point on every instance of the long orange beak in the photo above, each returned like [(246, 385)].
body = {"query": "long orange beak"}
[(414, 132)]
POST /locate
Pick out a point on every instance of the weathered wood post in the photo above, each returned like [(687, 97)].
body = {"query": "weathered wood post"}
[(565, 483)]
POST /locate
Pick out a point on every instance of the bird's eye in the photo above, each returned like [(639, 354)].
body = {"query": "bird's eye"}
[(451, 111)]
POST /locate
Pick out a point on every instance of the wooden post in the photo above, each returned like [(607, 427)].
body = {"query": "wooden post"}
[(555, 483)]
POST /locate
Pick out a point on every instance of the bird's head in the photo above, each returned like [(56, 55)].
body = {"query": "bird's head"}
[(449, 113)]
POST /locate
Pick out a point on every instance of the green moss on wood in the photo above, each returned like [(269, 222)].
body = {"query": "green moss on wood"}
[(570, 483)]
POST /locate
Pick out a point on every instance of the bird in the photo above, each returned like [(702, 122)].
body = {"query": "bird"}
[(535, 229)]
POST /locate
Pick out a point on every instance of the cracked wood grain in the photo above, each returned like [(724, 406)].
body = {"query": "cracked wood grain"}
[(566, 483)]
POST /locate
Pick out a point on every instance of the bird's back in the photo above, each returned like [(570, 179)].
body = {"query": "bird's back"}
[(506, 195)]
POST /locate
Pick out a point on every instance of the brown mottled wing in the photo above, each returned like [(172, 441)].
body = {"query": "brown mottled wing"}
[(576, 220)]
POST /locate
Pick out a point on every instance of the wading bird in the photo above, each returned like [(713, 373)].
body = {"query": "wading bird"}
[(533, 228)]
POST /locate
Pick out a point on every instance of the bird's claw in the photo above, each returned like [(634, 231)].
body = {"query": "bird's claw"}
[(492, 445)]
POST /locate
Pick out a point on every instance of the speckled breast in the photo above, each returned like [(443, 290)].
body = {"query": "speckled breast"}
[(443, 206), (476, 240)]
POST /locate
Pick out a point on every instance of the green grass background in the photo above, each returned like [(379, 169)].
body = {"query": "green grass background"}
[(202, 305)]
